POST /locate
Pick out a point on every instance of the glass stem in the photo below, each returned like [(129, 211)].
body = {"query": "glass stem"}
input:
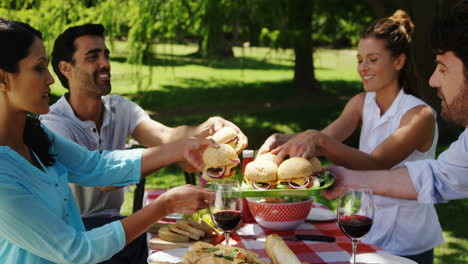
[(353, 257), (226, 237)]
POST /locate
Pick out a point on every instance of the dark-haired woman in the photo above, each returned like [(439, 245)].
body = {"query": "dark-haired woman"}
[(39, 219), (396, 127)]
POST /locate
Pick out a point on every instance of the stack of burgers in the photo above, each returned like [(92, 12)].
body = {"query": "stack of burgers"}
[(222, 162), (293, 173)]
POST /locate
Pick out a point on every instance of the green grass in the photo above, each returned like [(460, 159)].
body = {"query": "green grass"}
[(253, 90)]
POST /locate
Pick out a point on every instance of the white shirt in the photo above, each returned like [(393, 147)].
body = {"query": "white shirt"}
[(443, 179), (120, 117), (401, 227)]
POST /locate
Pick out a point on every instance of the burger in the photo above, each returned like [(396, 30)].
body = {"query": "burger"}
[(219, 162), (227, 135), (297, 173), (266, 156), (261, 174)]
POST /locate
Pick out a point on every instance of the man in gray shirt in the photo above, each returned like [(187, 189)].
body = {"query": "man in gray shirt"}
[(91, 117)]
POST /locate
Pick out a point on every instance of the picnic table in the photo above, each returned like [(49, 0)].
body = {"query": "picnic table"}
[(252, 236)]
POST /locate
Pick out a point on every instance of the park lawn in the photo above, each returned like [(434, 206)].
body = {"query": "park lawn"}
[(254, 90)]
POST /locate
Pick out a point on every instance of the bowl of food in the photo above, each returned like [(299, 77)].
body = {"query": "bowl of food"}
[(280, 214)]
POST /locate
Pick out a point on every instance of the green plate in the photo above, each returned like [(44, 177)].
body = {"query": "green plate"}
[(249, 191)]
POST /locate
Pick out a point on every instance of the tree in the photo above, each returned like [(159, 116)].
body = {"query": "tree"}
[(300, 26)]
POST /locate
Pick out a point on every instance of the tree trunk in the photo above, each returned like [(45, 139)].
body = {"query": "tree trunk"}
[(300, 19), (215, 44)]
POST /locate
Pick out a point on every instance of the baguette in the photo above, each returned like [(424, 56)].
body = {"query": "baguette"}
[(165, 234), (184, 225), (278, 251), (177, 230)]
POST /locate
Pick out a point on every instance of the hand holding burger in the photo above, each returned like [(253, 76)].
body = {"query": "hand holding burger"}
[(219, 162), (229, 136)]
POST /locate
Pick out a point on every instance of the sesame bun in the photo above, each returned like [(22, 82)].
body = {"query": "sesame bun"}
[(295, 168), (261, 171), (266, 156)]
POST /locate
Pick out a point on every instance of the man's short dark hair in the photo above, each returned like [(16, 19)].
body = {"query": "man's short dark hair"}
[(450, 33), (64, 47)]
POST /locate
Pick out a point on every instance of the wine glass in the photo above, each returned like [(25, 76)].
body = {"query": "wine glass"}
[(355, 213), (226, 205)]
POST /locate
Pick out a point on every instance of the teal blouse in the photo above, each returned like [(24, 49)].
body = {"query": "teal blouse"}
[(39, 219)]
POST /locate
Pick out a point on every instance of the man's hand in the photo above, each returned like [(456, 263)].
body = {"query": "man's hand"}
[(215, 123), (333, 191), (194, 149)]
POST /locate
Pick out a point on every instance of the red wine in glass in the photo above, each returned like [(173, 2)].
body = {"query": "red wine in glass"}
[(227, 220), (226, 205), (355, 226), (355, 213)]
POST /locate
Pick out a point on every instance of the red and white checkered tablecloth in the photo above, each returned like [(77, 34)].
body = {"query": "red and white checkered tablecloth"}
[(311, 252)]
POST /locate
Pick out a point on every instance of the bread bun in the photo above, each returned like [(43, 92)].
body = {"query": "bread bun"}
[(278, 251), (266, 156), (227, 135), (316, 164), (219, 162), (261, 171), (217, 157), (295, 168)]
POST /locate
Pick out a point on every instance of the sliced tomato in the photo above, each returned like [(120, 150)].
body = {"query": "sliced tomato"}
[(245, 258)]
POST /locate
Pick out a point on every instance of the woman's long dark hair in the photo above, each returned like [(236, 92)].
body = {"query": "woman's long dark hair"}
[(16, 40)]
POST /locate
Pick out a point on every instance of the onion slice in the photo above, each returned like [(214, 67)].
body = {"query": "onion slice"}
[(232, 140), (221, 174), (256, 187), (299, 187)]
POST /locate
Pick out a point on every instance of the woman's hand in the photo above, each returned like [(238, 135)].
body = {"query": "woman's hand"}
[(274, 141), (303, 145), (193, 151), (186, 199)]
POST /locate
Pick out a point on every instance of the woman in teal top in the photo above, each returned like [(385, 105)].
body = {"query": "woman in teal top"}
[(39, 219)]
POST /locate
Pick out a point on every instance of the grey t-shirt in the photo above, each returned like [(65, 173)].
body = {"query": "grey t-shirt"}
[(120, 117)]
